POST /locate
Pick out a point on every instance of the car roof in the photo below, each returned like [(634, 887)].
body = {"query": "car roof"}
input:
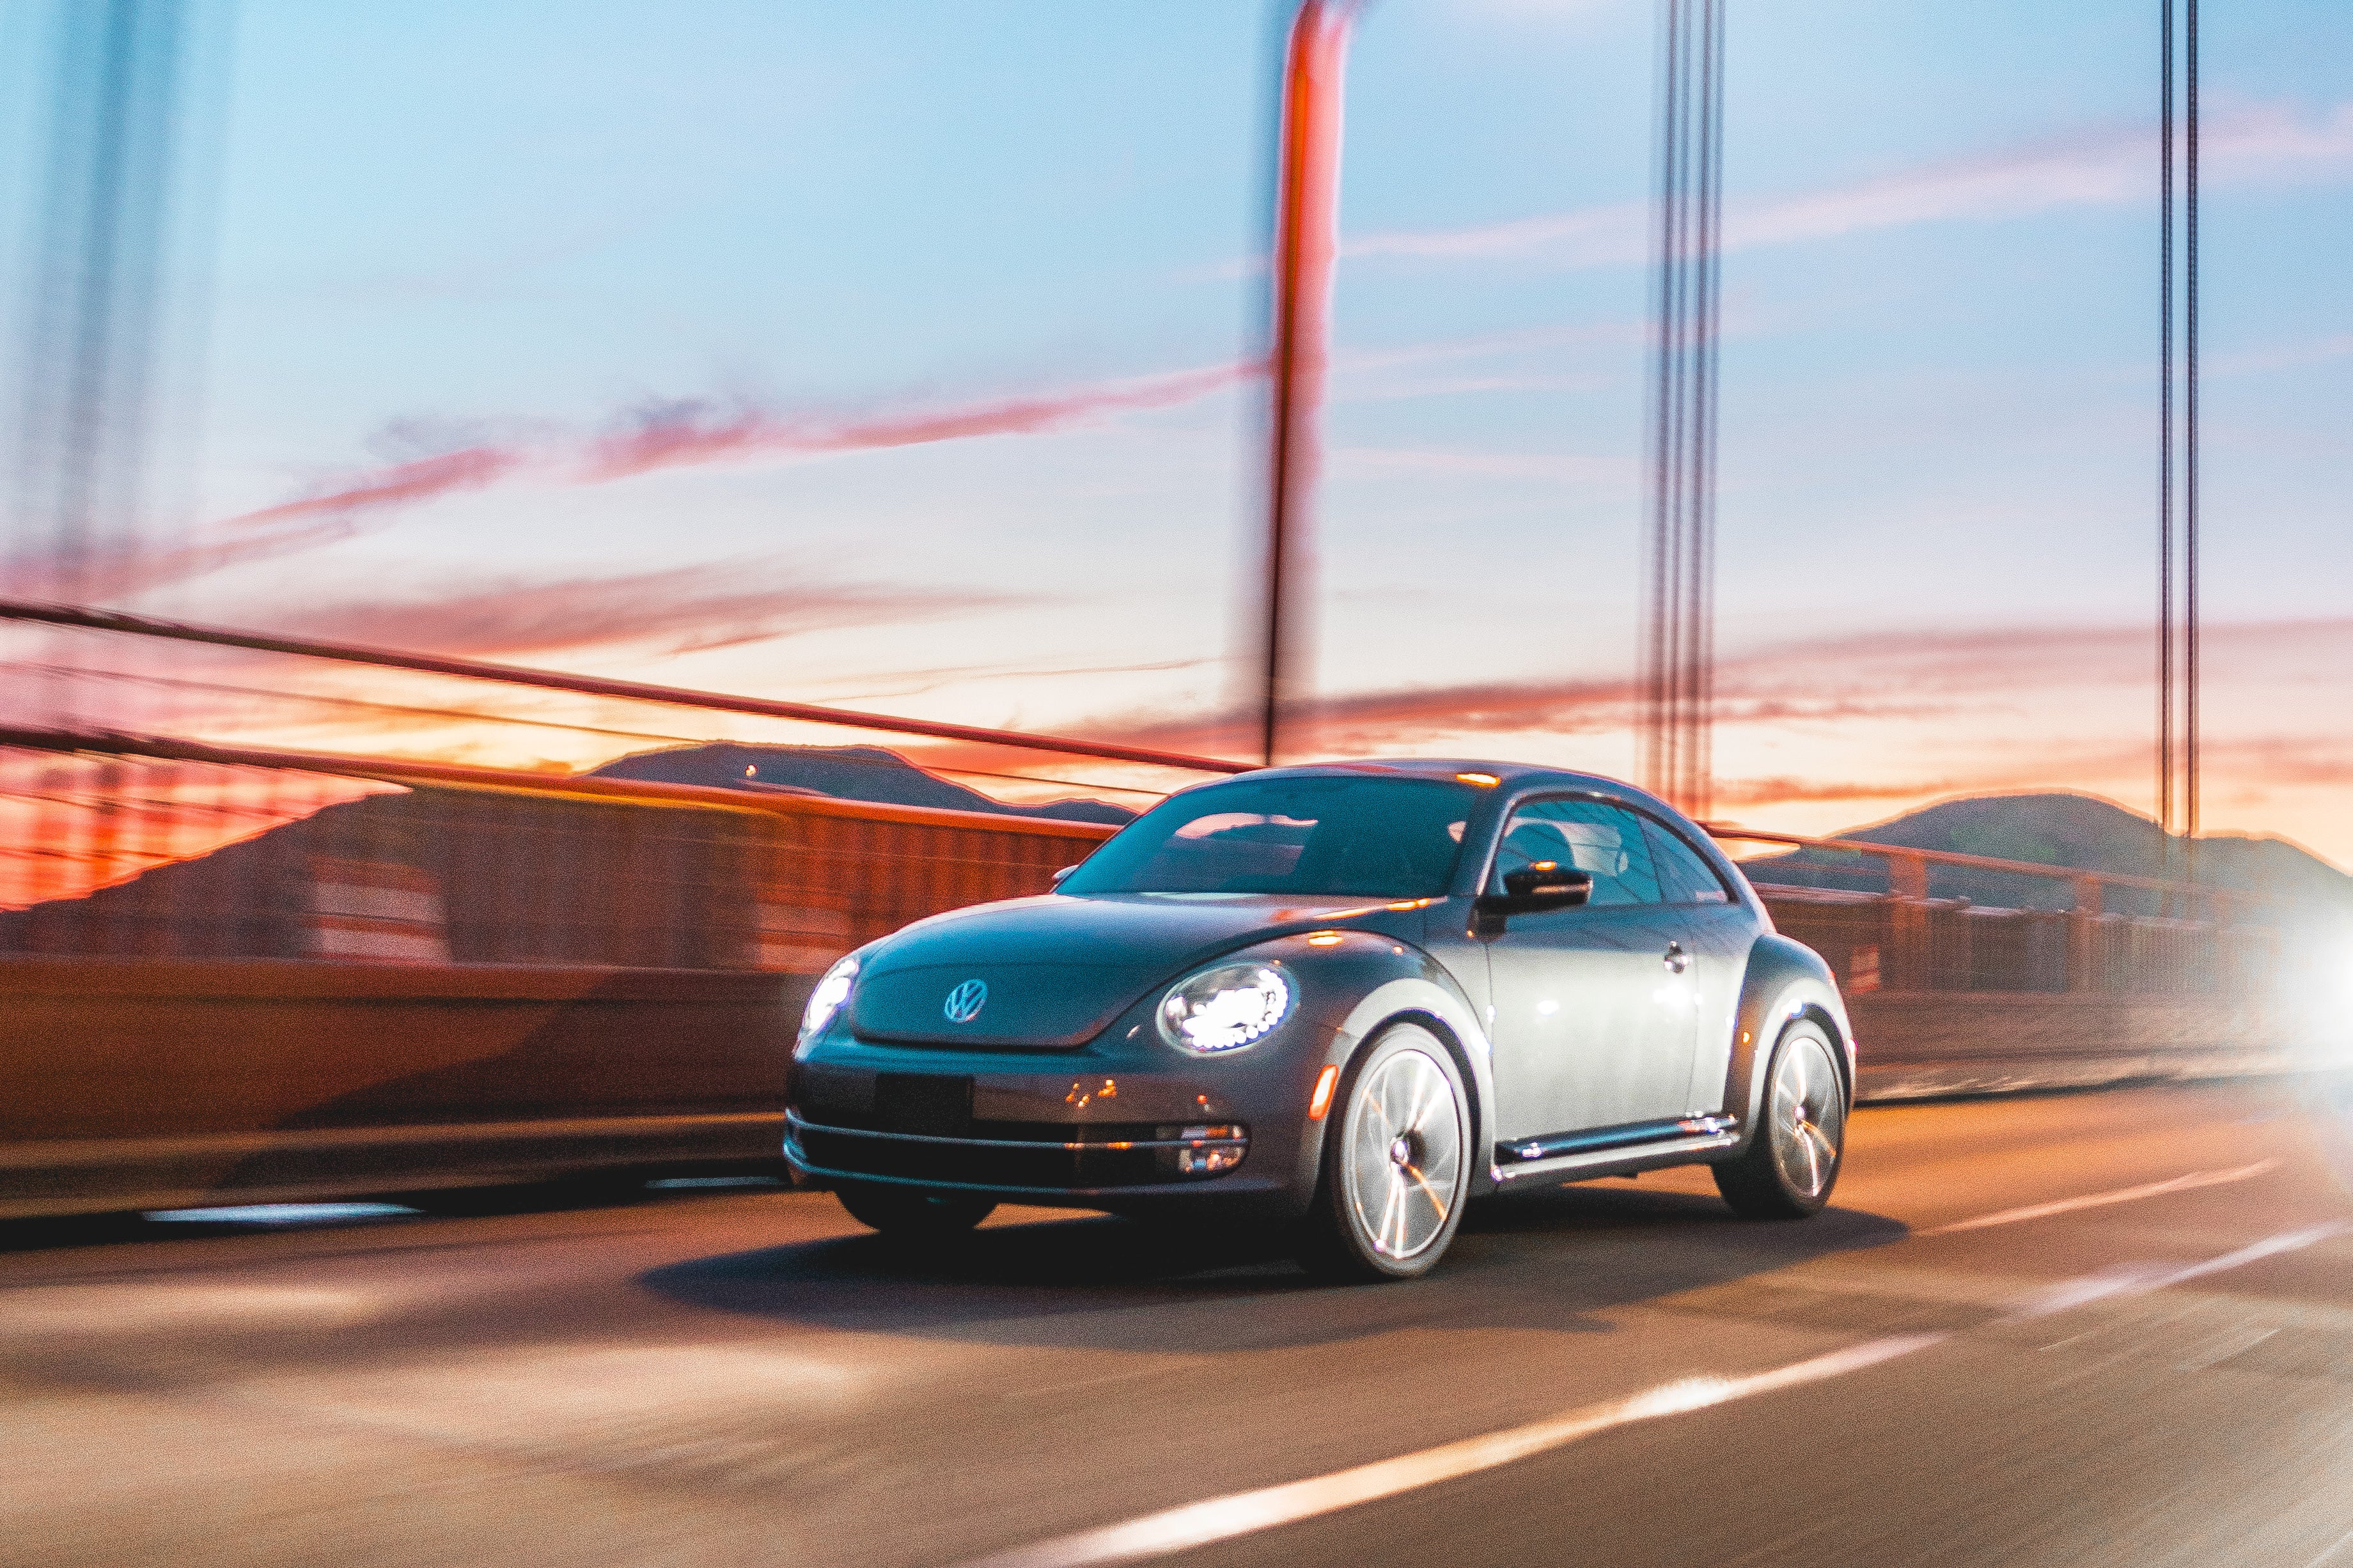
[(1514, 775), (1511, 777)]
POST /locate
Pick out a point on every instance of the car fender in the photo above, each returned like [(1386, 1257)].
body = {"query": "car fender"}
[(1785, 979), (1416, 987)]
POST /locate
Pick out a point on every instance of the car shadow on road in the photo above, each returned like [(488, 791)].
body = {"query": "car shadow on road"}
[(1558, 1259)]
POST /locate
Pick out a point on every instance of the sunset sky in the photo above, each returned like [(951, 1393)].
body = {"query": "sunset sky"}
[(892, 357)]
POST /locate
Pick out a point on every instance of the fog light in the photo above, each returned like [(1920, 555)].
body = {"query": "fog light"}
[(1207, 1161), (1208, 1150)]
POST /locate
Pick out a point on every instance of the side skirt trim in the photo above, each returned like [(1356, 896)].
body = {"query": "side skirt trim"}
[(1546, 1147), (1667, 1151)]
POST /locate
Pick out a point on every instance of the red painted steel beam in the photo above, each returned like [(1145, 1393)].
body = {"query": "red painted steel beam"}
[(1306, 241), (594, 686)]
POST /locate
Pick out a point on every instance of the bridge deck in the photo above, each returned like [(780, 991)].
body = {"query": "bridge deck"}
[(724, 1378)]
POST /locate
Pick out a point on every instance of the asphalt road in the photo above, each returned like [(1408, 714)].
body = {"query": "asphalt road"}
[(1616, 1373)]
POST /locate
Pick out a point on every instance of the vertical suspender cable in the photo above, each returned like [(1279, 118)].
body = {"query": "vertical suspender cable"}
[(2164, 432), (1698, 800), (1658, 639), (1678, 341), (1677, 646), (2190, 442)]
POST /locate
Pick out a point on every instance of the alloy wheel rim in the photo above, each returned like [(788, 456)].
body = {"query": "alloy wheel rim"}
[(1404, 1153), (1809, 1117)]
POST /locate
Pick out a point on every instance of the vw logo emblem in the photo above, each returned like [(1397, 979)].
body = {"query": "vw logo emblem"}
[(965, 1003)]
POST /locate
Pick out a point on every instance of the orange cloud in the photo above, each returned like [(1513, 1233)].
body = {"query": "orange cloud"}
[(1737, 792)]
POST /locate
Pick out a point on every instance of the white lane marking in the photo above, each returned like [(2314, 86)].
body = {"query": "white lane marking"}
[(2189, 1182), (1243, 1513), (2137, 1279), (1219, 1519), (2337, 1547)]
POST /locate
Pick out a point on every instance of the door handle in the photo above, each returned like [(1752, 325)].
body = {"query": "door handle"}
[(1676, 959)]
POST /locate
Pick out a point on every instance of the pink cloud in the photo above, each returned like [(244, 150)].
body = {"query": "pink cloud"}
[(695, 433), (687, 608), (675, 435), (2244, 145), (398, 484)]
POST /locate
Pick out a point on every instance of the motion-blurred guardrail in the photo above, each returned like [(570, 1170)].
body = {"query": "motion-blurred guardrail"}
[(337, 976), (267, 973), (1949, 996), (412, 976)]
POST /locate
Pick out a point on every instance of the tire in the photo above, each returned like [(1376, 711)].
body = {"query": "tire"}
[(1396, 1163), (907, 1213), (1792, 1161)]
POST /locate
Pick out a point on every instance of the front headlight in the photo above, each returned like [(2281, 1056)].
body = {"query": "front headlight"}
[(1226, 1008), (827, 999)]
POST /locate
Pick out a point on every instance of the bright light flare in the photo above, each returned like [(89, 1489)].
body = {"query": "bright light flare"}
[(827, 999), (1226, 1008)]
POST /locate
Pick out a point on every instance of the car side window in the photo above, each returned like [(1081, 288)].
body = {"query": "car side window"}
[(1684, 877), (1605, 841)]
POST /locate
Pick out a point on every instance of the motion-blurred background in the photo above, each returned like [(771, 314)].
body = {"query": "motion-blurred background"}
[(900, 358)]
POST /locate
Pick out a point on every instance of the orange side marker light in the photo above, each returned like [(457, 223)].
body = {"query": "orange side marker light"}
[(1321, 1101)]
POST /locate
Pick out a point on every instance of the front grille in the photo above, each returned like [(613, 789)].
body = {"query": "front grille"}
[(931, 1104), (1053, 1159)]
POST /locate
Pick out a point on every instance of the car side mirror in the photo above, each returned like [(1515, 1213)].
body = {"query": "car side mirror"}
[(1534, 890), (1056, 879)]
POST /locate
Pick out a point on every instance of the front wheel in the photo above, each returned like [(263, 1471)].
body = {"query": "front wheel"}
[(1396, 1163), (1793, 1158), (906, 1213)]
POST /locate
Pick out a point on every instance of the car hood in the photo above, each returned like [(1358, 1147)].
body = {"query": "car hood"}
[(1056, 970)]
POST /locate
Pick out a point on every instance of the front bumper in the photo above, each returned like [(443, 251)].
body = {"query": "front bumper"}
[(1069, 1159), (1114, 1126)]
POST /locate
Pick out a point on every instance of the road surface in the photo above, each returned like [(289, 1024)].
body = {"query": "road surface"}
[(2088, 1329)]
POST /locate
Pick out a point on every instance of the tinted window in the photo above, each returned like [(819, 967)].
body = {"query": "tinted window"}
[(1380, 838), (1683, 875), (1604, 840)]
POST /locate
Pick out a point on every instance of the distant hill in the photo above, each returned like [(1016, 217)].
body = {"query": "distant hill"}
[(846, 773), (2069, 830), (258, 897)]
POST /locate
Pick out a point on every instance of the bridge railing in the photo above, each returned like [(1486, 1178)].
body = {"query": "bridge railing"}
[(335, 856), (128, 846), (254, 977), (245, 976), (134, 848), (2202, 940)]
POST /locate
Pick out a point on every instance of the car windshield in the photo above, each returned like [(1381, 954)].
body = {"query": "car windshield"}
[(1349, 836)]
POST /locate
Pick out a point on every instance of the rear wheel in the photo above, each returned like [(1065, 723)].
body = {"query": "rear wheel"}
[(905, 1212), (1792, 1161), (1396, 1163)]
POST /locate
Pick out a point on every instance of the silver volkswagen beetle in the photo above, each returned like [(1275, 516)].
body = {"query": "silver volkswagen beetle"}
[(1343, 999)]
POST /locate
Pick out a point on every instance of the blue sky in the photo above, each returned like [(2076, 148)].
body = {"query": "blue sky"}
[(520, 228)]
